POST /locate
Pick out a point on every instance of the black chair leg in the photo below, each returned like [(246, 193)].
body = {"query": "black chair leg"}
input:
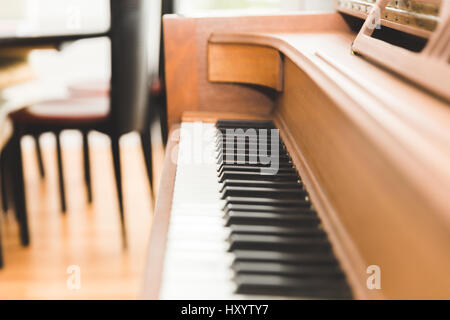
[(16, 180), (163, 122), (4, 202), (1, 249), (3, 183), (118, 175), (146, 142), (39, 155), (87, 166), (62, 192)]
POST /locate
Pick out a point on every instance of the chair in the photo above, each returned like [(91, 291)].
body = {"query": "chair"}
[(12, 176), (157, 97), (1, 254), (1, 249), (157, 100), (128, 108)]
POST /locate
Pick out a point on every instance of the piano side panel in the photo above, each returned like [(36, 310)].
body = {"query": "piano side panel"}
[(181, 70), (354, 183), (161, 219), (186, 50)]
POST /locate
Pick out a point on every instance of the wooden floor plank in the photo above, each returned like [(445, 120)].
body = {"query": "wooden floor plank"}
[(88, 235)]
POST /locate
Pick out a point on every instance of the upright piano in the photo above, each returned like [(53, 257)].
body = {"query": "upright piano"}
[(354, 105)]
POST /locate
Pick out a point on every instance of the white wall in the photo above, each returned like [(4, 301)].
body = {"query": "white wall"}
[(154, 35), (313, 5), (50, 16), (190, 6), (56, 16)]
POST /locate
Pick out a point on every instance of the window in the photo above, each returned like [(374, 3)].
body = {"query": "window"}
[(195, 6)]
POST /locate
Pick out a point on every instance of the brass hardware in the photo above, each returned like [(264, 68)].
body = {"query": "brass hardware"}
[(413, 13)]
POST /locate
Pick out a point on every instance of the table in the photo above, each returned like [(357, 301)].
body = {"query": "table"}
[(46, 23), (51, 22)]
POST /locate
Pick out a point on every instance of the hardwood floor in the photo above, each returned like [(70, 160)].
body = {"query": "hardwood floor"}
[(88, 236)]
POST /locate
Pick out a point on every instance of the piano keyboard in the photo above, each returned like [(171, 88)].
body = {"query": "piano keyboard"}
[(235, 233)]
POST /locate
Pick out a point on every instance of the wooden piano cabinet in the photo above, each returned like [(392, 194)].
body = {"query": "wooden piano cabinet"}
[(372, 148), (373, 164), (373, 212)]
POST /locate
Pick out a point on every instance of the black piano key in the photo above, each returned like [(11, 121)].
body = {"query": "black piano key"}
[(263, 192), (240, 140), (284, 244), (296, 258), (266, 133), (289, 231), (252, 163), (248, 147), (244, 124), (222, 153), (240, 131), (247, 132), (275, 235), (268, 208), (245, 157), (245, 128), (261, 184), (255, 168), (268, 201), (244, 175), (248, 136), (234, 140), (274, 268), (316, 287), (264, 218)]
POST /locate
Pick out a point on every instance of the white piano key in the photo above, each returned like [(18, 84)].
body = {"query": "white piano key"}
[(196, 262), (212, 220)]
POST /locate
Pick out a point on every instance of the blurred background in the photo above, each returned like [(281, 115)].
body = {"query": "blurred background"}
[(88, 235), (52, 17)]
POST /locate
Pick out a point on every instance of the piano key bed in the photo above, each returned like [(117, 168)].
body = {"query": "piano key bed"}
[(238, 232)]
